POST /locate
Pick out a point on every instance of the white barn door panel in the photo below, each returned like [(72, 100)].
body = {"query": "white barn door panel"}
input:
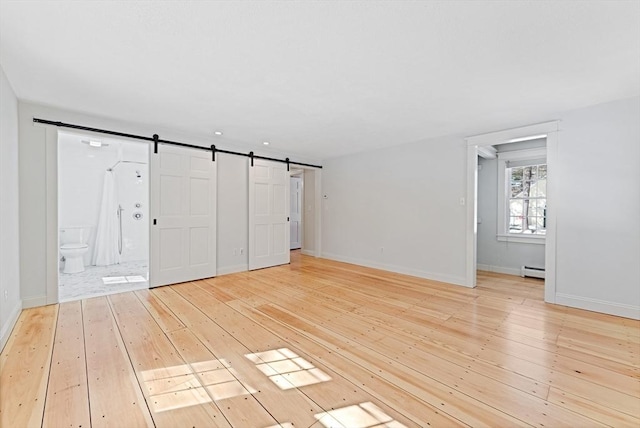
[(183, 215), (268, 214)]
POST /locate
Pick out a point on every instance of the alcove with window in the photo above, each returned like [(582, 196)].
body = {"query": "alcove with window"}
[(512, 206)]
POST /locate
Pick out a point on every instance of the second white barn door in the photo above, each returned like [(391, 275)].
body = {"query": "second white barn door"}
[(268, 214), (183, 215)]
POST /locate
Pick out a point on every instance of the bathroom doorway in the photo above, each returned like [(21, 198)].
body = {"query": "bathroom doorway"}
[(103, 221)]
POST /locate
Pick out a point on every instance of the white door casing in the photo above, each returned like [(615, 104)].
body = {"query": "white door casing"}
[(183, 208), (268, 214), (295, 198), (550, 130)]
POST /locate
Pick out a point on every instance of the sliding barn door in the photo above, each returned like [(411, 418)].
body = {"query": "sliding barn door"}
[(268, 214), (183, 215)]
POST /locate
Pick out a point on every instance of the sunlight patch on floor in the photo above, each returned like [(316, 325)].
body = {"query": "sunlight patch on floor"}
[(123, 279), (287, 369), (190, 385), (363, 415)]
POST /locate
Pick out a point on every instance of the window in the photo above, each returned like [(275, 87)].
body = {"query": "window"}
[(527, 199), (522, 195)]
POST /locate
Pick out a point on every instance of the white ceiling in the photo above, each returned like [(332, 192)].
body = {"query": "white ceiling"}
[(326, 78)]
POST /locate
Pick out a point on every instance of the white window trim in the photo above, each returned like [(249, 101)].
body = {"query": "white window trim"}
[(503, 158), (523, 239)]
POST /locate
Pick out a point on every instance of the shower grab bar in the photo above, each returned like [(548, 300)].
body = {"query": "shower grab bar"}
[(120, 209)]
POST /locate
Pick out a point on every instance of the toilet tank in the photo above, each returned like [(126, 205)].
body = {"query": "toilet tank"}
[(74, 235)]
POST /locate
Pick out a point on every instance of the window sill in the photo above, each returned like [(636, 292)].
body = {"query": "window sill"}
[(524, 239)]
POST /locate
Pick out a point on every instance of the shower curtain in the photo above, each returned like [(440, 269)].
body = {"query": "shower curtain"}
[(105, 251)]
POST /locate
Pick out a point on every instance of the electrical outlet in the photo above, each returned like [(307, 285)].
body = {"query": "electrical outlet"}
[(235, 251), (6, 295), (241, 251)]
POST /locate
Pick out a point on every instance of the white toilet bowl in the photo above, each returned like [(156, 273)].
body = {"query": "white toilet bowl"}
[(73, 248), (73, 257)]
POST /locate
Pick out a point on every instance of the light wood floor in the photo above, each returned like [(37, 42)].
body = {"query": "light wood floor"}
[(320, 343)]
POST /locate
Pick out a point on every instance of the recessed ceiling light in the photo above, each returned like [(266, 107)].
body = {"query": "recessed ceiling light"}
[(266, 143), (218, 132), (94, 143)]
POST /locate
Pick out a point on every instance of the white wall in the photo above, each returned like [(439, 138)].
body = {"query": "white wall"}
[(233, 211), (398, 209), (38, 194), (308, 215), (10, 303), (494, 255), (405, 199), (598, 208)]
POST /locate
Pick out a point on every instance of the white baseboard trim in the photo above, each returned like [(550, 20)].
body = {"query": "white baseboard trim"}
[(597, 305), (6, 330), (450, 279), (232, 269), (33, 302), (308, 253), (498, 269)]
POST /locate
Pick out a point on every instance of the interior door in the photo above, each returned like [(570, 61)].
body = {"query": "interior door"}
[(295, 197), (268, 214), (183, 215)]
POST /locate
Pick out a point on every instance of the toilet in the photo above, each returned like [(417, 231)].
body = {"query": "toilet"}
[(73, 247)]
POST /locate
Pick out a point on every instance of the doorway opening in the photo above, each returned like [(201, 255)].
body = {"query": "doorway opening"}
[(296, 200), (512, 183), (103, 216), (542, 218)]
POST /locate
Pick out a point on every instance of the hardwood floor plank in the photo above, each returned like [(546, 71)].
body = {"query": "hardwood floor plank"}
[(156, 359), (593, 409), (160, 312), (406, 404), (318, 382), (240, 408), (284, 405), (114, 393), (68, 391), (26, 363), (458, 406)]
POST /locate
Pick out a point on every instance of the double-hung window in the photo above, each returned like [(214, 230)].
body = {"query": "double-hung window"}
[(522, 195)]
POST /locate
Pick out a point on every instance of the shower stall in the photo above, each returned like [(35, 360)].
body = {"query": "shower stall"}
[(122, 231), (132, 178)]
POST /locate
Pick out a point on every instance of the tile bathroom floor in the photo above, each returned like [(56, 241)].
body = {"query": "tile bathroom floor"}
[(103, 280)]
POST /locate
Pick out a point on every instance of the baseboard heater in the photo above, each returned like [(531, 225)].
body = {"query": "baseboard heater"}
[(531, 272)]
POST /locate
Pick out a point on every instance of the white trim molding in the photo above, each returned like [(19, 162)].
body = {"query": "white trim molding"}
[(499, 269), (503, 194), (449, 279), (33, 302), (522, 239), (232, 269), (5, 333), (487, 152), (597, 305), (509, 135)]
